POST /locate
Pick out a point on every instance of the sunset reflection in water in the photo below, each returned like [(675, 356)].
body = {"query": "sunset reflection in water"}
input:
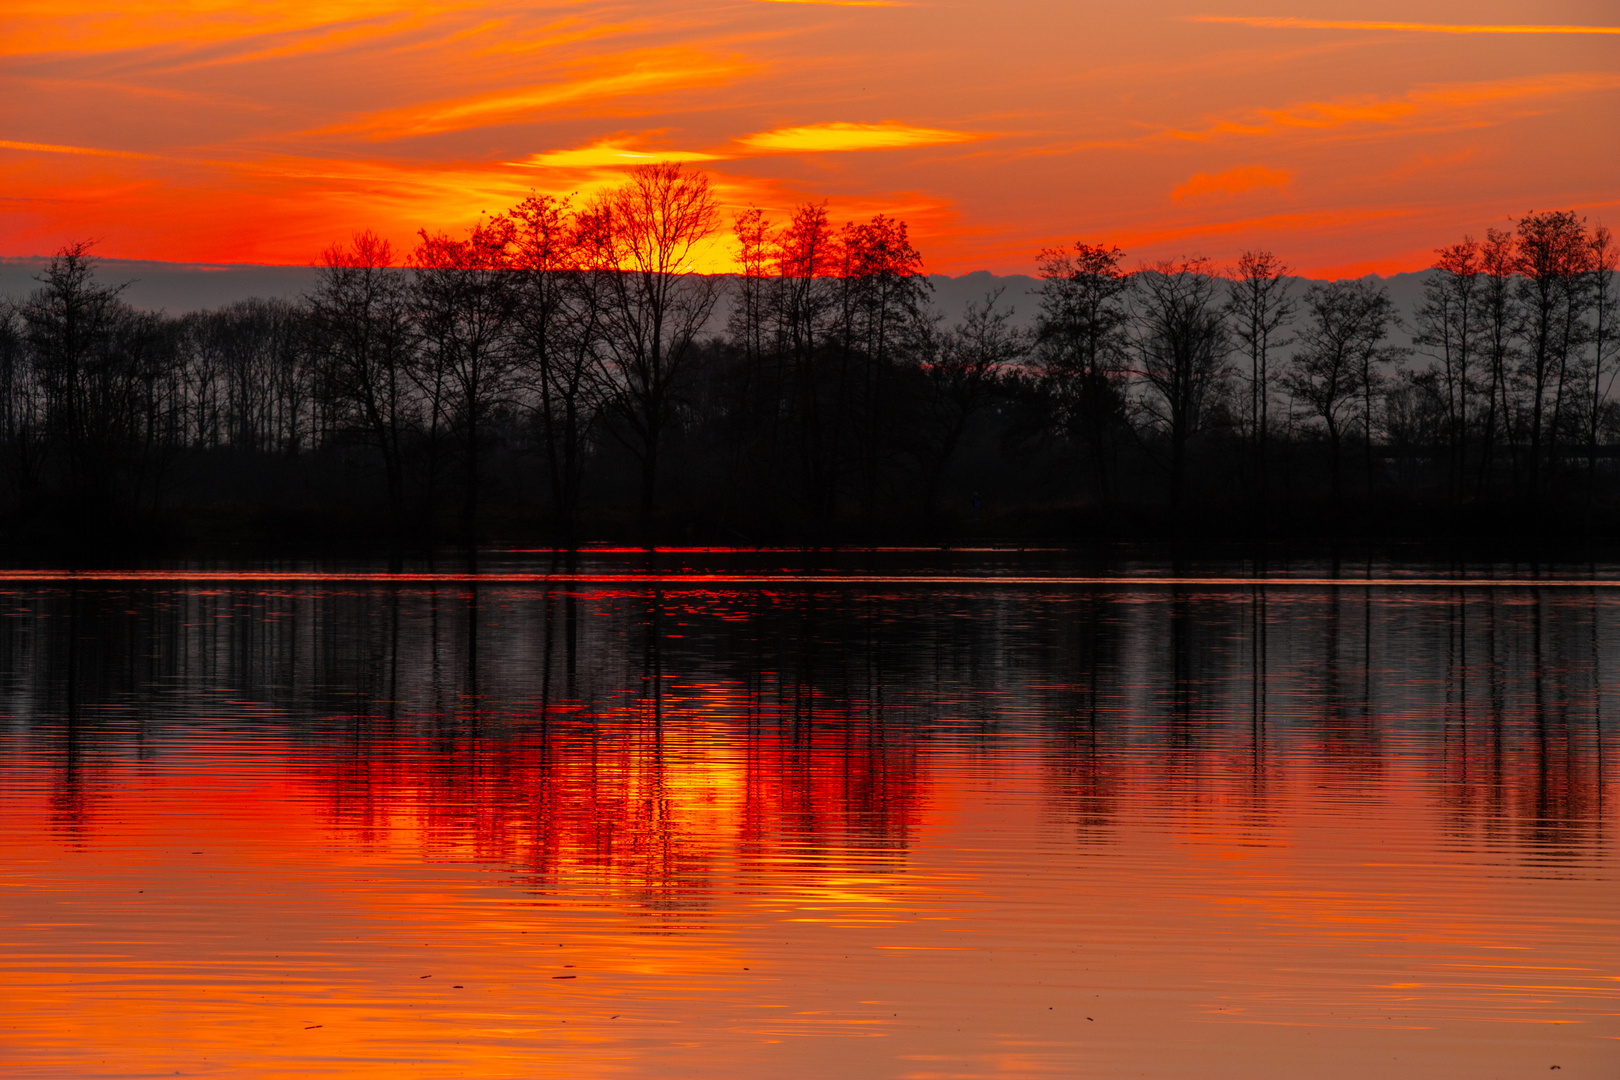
[(448, 829)]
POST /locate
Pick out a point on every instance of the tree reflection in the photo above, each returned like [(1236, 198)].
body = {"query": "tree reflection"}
[(640, 740)]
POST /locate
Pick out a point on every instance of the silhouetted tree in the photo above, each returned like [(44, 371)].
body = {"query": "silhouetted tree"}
[(1552, 259), (69, 325), (1081, 349), (831, 333), (1448, 328), (21, 409), (884, 294), (561, 258), (1500, 320), (100, 368), (363, 336), (464, 295), (1346, 324), (1259, 307), (1180, 338), (1603, 263), (756, 415), (659, 305), (819, 387), (835, 400), (963, 376), (751, 306), (1374, 357)]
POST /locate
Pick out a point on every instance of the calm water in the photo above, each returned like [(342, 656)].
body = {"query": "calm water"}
[(741, 827)]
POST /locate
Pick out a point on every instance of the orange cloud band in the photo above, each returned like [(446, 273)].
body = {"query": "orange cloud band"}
[(1412, 27), (1236, 181), (89, 26), (838, 136), (637, 75), (53, 148), (841, 3), (1427, 104)]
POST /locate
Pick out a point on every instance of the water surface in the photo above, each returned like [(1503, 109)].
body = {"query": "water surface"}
[(645, 825)]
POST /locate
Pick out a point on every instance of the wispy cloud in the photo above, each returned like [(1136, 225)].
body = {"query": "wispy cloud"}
[(620, 151), (1188, 234), (611, 154), (92, 26), (302, 42), (1453, 105), (839, 136), (498, 38), (1410, 27), (1237, 181), (652, 71), (53, 148), (840, 3)]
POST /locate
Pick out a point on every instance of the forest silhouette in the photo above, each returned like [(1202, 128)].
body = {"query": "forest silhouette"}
[(561, 374)]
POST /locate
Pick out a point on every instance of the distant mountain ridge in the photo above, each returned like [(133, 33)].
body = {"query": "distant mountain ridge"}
[(178, 288)]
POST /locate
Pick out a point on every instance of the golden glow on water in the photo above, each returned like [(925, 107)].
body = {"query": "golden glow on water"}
[(622, 833)]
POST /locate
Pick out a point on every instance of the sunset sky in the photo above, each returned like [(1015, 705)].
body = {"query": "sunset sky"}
[(1348, 137)]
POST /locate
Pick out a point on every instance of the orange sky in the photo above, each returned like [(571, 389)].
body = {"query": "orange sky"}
[(1347, 137)]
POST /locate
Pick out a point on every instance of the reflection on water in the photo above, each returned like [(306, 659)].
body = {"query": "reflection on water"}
[(459, 829)]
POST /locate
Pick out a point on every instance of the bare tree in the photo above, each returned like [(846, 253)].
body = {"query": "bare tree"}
[(819, 394), (363, 337), (1500, 320), (659, 305), (756, 256), (1259, 307), (1181, 343), (963, 375), (1081, 349), (464, 295), (21, 408), (1448, 328), (75, 327), (884, 297), (1603, 263), (1373, 357), (1338, 347), (1552, 259), (757, 414), (831, 328), (561, 258)]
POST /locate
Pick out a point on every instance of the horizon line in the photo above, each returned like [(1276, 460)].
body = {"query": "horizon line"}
[(58, 577), (1031, 273)]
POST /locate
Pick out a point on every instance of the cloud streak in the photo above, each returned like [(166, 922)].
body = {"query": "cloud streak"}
[(632, 75), (84, 151), (90, 26), (842, 137), (1454, 105), (610, 155), (1238, 181), (839, 3), (1407, 27)]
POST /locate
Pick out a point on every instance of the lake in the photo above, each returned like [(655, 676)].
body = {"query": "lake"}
[(895, 814)]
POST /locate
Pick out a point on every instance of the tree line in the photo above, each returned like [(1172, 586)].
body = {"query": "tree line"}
[(563, 372)]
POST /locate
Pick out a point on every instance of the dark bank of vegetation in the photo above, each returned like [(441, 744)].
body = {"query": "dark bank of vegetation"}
[(560, 375)]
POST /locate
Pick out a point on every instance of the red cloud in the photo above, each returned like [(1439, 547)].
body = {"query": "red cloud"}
[(1236, 181)]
